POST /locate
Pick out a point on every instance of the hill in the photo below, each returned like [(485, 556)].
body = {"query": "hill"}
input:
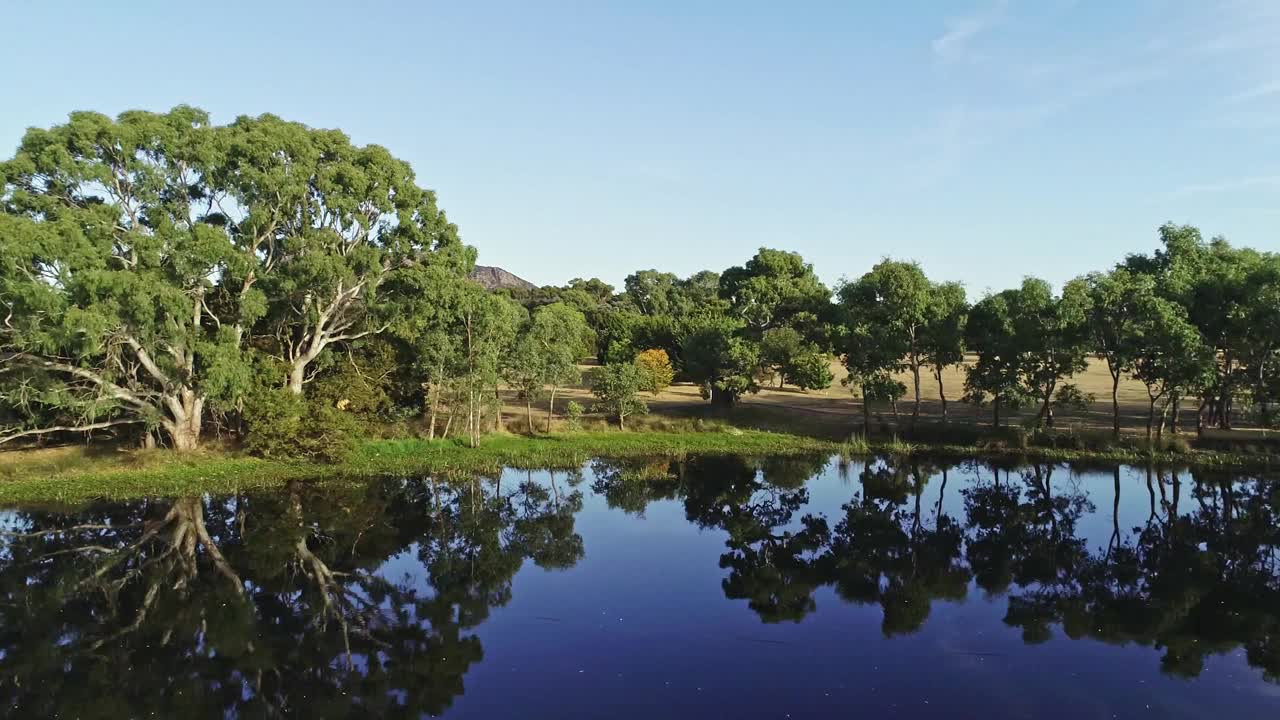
[(495, 278)]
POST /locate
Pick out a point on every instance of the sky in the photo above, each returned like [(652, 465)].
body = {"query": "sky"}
[(986, 140)]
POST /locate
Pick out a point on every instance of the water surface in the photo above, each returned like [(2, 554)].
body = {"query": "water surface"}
[(709, 587)]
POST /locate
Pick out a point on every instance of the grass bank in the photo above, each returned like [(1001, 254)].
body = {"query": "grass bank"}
[(77, 474), (67, 475)]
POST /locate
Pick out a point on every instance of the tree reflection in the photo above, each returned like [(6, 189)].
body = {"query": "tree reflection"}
[(1192, 585), (364, 602), (277, 604), (886, 552)]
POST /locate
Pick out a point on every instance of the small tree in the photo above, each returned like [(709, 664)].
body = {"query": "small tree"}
[(942, 344), (810, 370), (617, 389), (561, 337), (525, 370), (785, 353), (655, 370), (881, 387), (997, 373)]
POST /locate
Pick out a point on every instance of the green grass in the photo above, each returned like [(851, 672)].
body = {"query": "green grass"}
[(70, 475), (78, 474)]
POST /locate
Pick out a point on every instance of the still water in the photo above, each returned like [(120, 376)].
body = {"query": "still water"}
[(709, 587)]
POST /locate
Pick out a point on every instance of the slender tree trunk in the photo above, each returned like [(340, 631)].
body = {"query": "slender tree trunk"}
[(1164, 412), (942, 395), (1151, 416), (551, 408), (528, 411), (1224, 413), (497, 409), (866, 412), (1115, 404), (433, 403), (1045, 416), (995, 409), (473, 418), (915, 379), (622, 420), (444, 434)]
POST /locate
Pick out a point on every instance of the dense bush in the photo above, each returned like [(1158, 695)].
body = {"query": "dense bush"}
[(283, 425)]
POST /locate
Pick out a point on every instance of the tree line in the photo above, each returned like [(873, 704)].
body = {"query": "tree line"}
[(168, 279)]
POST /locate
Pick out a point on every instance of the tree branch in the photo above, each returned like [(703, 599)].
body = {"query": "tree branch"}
[(69, 428)]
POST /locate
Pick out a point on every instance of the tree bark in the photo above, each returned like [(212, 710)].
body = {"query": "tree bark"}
[(1151, 417), (1115, 404), (1045, 416), (434, 402), (942, 395), (866, 413), (551, 408), (915, 379)]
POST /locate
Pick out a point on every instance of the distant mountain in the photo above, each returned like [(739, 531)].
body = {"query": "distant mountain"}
[(495, 278)]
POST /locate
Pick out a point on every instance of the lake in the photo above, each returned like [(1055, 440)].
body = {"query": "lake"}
[(705, 587)]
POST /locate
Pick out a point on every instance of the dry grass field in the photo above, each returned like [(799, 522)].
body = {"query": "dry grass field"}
[(835, 411)]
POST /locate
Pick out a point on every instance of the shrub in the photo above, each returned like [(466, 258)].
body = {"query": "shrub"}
[(1070, 397), (810, 371), (617, 387), (282, 425), (656, 372), (573, 415)]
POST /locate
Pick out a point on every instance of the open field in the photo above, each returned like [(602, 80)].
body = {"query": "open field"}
[(835, 412)]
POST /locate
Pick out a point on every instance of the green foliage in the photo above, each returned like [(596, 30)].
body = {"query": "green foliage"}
[(775, 289), (810, 370), (617, 389), (284, 426), (785, 353), (1027, 341), (1069, 396), (721, 362), (573, 411), (139, 255)]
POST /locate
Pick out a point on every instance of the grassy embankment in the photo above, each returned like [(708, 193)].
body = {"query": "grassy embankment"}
[(79, 473), (83, 473)]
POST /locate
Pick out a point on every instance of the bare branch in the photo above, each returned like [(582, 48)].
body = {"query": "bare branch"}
[(69, 428)]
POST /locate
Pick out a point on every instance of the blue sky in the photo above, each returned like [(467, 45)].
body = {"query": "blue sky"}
[(987, 140)]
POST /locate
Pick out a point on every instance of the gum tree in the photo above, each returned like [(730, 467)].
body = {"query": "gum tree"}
[(896, 302), (124, 290), (942, 343), (331, 225)]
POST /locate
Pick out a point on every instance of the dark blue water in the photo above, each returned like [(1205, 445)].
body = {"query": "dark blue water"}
[(712, 587)]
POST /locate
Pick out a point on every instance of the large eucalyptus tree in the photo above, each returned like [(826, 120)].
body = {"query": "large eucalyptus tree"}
[(144, 259)]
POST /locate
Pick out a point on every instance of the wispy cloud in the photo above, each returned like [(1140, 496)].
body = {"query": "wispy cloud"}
[(953, 45), (1257, 92), (1016, 82)]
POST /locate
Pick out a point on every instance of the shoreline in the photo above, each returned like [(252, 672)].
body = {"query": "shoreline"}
[(125, 475)]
